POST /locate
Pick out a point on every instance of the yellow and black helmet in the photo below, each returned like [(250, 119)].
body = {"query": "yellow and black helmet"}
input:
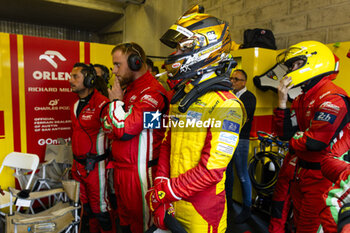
[(204, 39), (318, 61)]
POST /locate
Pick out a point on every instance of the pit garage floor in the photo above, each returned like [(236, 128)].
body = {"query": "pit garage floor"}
[(258, 223)]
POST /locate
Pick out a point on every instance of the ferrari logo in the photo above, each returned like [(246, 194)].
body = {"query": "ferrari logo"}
[(161, 194)]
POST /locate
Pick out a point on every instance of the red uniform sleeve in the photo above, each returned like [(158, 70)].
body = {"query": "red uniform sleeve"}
[(324, 125), (124, 125), (332, 167)]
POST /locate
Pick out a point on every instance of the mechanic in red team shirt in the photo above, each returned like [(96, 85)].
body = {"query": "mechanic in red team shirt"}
[(135, 147), (314, 124), (90, 147)]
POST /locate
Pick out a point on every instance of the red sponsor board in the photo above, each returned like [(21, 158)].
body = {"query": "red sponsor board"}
[(47, 67)]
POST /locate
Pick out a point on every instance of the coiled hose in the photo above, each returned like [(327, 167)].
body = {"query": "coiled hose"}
[(265, 188)]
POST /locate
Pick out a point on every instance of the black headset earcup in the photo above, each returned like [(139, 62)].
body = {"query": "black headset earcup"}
[(105, 76), (134, 62), (90, 77)]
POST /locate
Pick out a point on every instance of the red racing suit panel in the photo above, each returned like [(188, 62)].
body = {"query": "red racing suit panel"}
[(135, 148), (196, 159), (89, 138)]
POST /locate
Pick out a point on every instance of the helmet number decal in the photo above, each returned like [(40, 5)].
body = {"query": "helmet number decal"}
[(211, 36)]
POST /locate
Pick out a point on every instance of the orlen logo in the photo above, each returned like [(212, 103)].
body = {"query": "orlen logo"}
[(49, 56)]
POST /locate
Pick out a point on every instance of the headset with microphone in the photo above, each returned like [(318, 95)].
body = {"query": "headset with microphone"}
[(90, 76), (135, 59)]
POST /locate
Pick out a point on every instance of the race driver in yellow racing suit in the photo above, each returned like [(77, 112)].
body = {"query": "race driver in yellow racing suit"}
[(204, 122)]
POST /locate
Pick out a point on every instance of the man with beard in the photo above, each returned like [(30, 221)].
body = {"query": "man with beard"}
[(89, 146), (135, 145)]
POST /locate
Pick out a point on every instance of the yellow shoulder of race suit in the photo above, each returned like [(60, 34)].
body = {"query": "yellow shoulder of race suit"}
[(232, 115)]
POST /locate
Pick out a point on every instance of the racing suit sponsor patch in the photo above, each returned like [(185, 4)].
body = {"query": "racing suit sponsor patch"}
[(324, 116), (149, 99), (228, 138), (200, 103), (194, 115), (225, 148), (329, 106), (231, 126), (234, 114)]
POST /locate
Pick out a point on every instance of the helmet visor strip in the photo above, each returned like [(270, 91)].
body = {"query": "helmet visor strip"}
[(175, 35), (290, 56)]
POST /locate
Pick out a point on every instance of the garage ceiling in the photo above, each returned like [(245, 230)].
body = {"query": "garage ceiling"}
[(90, 15)]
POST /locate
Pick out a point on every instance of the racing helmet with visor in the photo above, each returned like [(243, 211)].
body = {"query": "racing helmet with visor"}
[(201, 40), (308, 60)]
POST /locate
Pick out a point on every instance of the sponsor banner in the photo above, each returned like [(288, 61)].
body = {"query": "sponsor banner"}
[(47, 67)]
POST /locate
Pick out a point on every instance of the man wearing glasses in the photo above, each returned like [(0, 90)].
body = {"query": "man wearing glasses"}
[(239, 79)]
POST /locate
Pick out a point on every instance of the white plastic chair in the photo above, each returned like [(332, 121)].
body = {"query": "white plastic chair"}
[(18, 161)]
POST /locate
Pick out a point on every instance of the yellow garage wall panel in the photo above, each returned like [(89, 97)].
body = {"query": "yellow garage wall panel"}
[(6, 124), (256, 61), (101, 54), (82, 52), (342, 50)]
